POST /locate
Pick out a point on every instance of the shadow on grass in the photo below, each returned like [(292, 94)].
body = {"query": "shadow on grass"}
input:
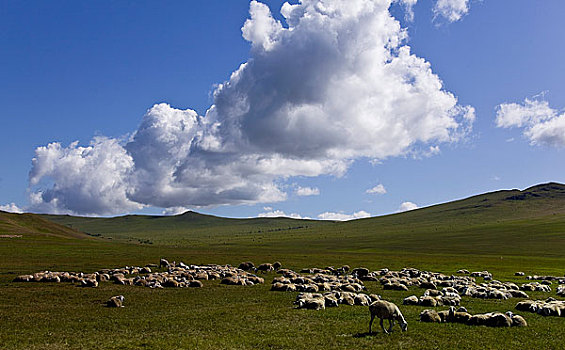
[(365, 334)]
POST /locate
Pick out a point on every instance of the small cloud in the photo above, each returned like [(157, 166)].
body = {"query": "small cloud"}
[(175, 210), (496, 178), (267, 208), (540, 123), (510, 139), (307, 191), (407, 206), (379, 189), (433, 150), (451, 10), (342, 216), (11, 208), (270, 213)]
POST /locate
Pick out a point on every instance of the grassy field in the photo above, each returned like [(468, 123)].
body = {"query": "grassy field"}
[(502, 232)]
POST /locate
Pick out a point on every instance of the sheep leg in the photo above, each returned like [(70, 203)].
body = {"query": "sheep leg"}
[(371, 323), (383, 327), (391, 323)]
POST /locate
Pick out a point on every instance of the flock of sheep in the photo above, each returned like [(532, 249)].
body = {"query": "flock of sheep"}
[(330, 287), (177, 275)]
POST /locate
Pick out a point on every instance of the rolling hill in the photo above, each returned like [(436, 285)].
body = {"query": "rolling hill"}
[(502, 222), (183, 227), (34, 226)]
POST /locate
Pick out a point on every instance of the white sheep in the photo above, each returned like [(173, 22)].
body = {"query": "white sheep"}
[(387, 310)]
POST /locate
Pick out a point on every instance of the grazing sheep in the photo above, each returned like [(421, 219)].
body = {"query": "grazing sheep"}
[(277, 265), (519, 273), (386, 310), (116, 301), (164, 263)]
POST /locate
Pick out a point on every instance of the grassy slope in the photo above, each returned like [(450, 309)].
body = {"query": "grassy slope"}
[(183, 229), (499, 223), (490, 231), (34, 226)]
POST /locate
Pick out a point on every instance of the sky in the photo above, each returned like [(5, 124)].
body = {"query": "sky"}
[(324, 109)]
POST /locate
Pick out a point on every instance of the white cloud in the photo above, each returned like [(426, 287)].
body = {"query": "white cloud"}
[(379, 189), (307, 191), (541, 124), (339, 84), (279, 213), (87, 180), (342, 216), (451, 10), (407, 206), (11, 208), (408, 7), (175, 210)]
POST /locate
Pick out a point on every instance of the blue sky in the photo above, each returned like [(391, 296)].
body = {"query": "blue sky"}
[(73, 71)]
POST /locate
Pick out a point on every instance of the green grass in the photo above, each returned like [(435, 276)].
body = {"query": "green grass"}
[(491, 231)]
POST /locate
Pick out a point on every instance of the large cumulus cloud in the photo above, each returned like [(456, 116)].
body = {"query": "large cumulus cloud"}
[(335, 83)]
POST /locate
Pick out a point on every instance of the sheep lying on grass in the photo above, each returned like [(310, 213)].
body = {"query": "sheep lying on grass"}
[(491, 319), (334, 299), (560, 280), (319, 282), (386, 310), (116, 301), (536, 286), (311, 301), (246, 266), (177, 276), (548, 307)]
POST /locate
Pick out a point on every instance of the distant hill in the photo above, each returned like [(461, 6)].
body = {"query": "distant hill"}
[(170, 229), (531, 221), (32, 225)]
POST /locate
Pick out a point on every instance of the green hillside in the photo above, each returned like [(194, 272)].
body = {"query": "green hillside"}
[(506, 222), (34, 226), (184, 229)]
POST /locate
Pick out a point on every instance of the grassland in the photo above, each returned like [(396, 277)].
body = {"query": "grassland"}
[(503, 232)]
